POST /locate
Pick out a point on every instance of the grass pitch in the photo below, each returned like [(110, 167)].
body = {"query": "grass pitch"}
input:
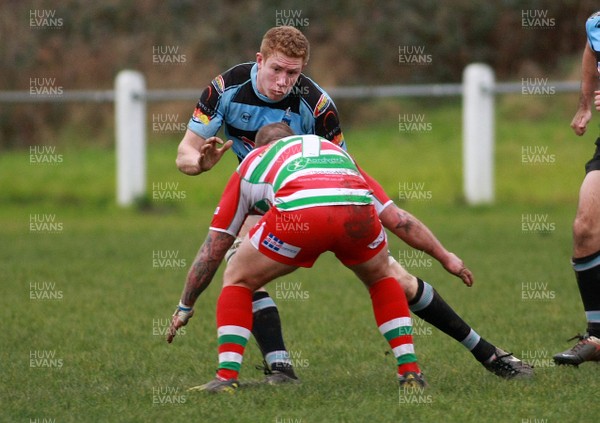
[(88, 289)]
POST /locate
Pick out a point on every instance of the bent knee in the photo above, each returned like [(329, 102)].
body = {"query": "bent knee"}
[(407, 281), (585, 228), (586, 236)]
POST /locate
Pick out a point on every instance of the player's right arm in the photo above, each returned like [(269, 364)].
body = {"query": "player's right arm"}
[(226, 223), (188, 153), (199, 277), (200, 150), (196, 154), (589, 86)]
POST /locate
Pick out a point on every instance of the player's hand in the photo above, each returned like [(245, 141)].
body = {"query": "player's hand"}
[(180, 318), (582, 117), (455, 265), (211, 152), (597, 100)]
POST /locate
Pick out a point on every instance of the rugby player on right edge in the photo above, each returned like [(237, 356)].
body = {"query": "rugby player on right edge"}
[(586, 228)]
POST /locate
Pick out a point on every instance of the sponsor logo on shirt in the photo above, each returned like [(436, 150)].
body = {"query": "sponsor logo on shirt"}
[(200, 116), (301, 162), (275, 244), (380, 238), (219, 84), (298, 164), (322, 105), (246, 117)]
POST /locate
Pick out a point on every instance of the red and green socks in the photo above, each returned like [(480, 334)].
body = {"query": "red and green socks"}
[(393, 319), (234, 325)]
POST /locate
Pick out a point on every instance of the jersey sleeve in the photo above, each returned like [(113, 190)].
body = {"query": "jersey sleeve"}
[(327, 121), (232, 210), (592, 27), (320, 116), (207, 117), (381, 199)]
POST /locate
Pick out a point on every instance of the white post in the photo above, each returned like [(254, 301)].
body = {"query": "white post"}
[(478, 133), (130, 128)]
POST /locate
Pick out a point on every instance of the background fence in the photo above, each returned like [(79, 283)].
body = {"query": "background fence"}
[(478, 91)]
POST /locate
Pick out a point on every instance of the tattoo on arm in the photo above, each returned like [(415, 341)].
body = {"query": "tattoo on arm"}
[(405, 221), (205, 265), (414, 233)]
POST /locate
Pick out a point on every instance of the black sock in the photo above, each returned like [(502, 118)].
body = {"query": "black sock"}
[(267, 331), (587, 272), (431, 307)]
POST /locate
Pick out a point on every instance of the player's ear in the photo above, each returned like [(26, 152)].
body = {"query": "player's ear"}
[(259, 59)]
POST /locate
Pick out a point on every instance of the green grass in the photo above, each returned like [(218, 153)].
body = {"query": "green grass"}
[(105, 330)]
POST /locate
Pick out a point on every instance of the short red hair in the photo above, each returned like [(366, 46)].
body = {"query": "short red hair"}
[(286, 40)]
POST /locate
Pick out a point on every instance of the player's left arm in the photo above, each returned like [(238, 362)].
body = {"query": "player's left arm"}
[(416, 234)]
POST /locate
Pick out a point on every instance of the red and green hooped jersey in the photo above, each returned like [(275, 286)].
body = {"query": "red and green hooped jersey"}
[(293, 173)]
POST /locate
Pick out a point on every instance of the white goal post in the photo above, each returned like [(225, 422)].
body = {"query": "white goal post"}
[(478, 134), (130, 128)]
